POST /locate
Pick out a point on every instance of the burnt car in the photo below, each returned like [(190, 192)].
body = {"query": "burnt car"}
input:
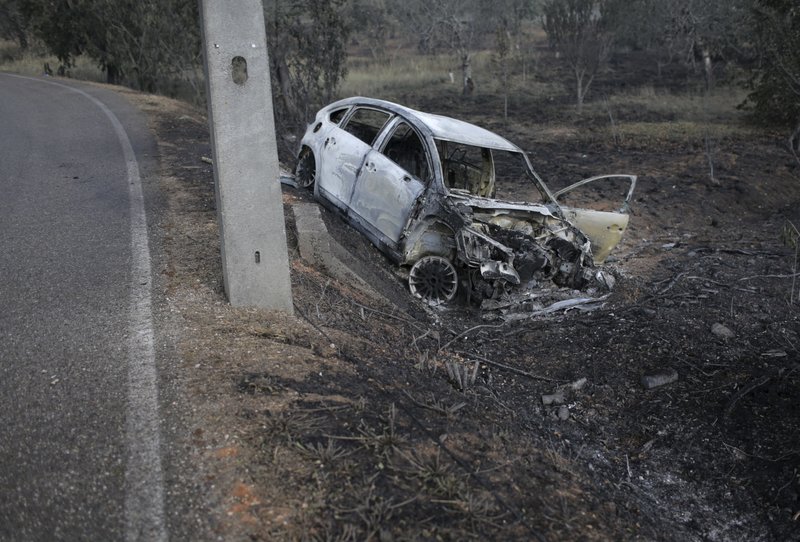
[(426, 189)]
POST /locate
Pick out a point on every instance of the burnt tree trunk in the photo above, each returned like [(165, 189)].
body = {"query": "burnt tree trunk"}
[(466, 71), (794, 142), (113, 75), (708, 68)]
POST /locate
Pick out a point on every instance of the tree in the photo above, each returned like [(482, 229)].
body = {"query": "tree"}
[(149, 44), (307, 40), (505, 20), (776, 84), (371, 24), (452, 25), (577, 29), (12, 24), (152, 43), (61, 25), (690, 30), (711, 31), (502, 56)]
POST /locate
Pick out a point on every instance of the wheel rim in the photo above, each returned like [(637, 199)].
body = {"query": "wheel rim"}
[(433, 279), (305, 173)]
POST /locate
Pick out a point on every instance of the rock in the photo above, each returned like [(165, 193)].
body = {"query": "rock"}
[(722, 332), (578, 384), (645, 311), (563, 412), (661, 378), (556, 398)]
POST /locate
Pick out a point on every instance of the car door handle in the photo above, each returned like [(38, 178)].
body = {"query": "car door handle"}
[(330, 140), (406, 178), (370, 166)]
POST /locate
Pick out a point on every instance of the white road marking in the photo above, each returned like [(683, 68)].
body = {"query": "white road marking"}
[(144, 479)]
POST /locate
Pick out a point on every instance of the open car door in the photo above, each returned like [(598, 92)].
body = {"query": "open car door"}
[(603, 228)]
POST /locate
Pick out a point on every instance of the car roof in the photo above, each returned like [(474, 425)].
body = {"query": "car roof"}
[(438, 126)]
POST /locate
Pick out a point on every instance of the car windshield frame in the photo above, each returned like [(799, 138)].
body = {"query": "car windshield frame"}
[(545, 194)]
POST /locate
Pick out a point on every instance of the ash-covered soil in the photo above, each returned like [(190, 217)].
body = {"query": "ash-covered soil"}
[(363, 419)]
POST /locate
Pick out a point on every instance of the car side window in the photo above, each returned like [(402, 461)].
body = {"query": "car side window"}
[(337, 116), (405, 149), (366, 123)]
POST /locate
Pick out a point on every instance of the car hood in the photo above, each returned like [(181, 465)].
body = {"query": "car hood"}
[(487, 204)]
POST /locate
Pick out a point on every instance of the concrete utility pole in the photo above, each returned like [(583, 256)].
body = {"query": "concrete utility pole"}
[(255, 262)]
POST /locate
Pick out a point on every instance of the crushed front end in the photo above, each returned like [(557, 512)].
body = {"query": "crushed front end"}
[(520, 248), (499, 252)]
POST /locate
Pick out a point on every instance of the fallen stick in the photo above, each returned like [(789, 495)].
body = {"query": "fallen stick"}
[(744, 391), (467, 332), (673, 282), (509, 368), (790, 276)]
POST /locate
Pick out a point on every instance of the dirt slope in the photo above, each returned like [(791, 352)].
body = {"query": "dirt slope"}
[(356, 420)]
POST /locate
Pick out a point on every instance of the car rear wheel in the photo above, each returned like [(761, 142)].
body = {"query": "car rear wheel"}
[(305, 173), (433, 279)]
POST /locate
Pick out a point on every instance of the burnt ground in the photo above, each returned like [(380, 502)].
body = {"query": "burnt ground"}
[(365, 419)]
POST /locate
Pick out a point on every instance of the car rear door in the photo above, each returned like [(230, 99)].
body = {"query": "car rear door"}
[(343, 153)]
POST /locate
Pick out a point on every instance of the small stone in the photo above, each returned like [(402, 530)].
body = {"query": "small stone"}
[(563, 412), (723, 332), (646, 312), (661, 378), (556, 398), (578, 384)]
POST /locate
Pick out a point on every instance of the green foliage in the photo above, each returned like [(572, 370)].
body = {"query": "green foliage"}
[(775, 96)]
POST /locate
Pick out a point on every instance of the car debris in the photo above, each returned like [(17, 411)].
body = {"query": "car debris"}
[(427, 191)]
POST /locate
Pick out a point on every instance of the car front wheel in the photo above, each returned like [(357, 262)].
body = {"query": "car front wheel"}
[(433, 279)]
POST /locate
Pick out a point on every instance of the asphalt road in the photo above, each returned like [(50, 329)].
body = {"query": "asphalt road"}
[(81, 443)]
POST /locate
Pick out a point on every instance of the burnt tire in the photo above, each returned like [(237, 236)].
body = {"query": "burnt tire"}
[(434, 280), (305, 173)]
